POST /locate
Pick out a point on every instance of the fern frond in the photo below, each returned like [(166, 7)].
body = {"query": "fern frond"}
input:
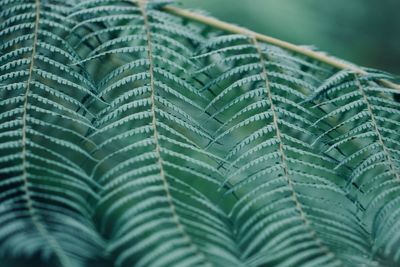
[(152, 113), (45, 192), (367, 115), (277, 218)]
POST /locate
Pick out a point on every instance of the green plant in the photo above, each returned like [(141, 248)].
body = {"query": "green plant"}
[(138, 134)]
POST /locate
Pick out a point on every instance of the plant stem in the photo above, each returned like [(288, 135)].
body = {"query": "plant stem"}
[(213, 22)]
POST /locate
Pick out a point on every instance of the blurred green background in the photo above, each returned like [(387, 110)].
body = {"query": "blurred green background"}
[(366, 32)]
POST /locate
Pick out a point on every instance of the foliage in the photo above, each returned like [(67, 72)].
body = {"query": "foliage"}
[(133, 137)]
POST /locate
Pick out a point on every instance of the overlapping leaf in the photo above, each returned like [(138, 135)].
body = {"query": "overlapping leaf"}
[(132, 137)]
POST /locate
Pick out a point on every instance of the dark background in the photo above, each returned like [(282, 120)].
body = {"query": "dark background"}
[(366, 32)]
